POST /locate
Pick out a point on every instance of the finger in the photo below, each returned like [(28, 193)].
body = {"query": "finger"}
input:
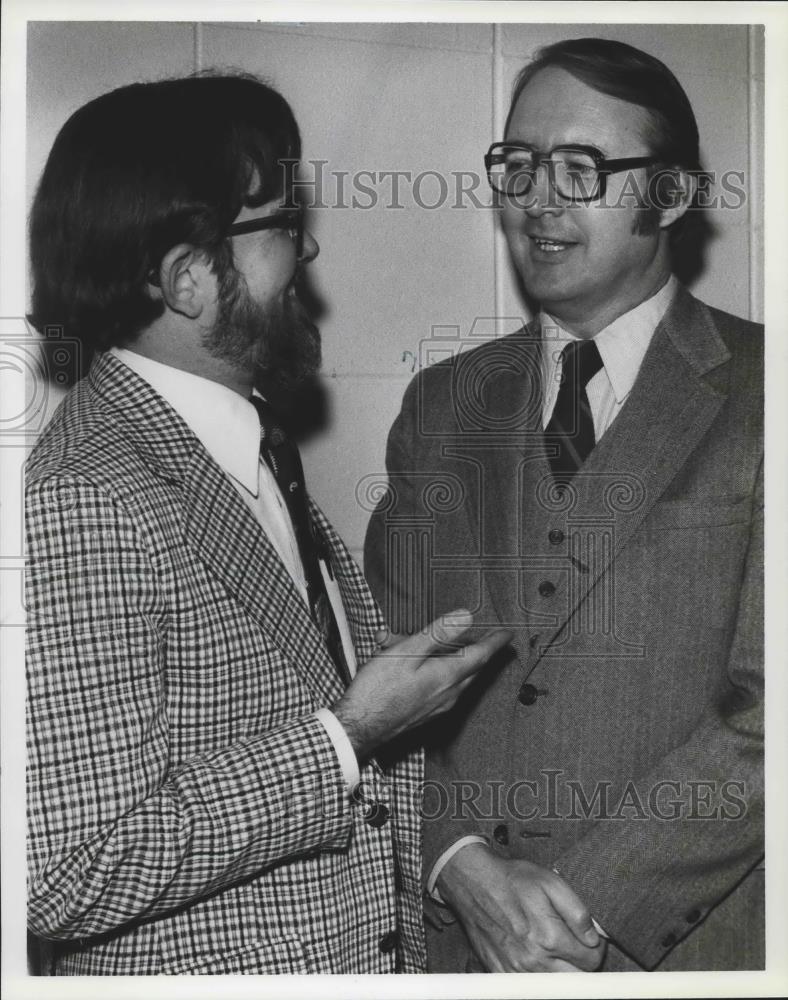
[(444, 631), (468, 661), (559, 965), (490, 643), (573, 911)]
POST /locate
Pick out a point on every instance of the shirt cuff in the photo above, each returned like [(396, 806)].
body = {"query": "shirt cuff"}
[(447, 855), (346, 755)]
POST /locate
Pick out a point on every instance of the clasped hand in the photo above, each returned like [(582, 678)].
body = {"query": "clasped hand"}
[(519, 917)]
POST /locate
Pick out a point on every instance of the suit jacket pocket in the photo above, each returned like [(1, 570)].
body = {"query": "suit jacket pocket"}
[(272, 956), (699, 512)]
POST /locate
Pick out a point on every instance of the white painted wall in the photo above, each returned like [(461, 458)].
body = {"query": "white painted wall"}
[(417, 97)]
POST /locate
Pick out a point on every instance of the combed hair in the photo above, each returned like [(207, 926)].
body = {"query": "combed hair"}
[(624, 72), (138, 171)]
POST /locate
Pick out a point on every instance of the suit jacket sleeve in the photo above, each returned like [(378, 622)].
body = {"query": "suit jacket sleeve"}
[(117, 833), (649, 883)]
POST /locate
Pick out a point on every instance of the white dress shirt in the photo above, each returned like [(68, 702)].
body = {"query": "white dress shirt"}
[(622, 346), (229, 428)]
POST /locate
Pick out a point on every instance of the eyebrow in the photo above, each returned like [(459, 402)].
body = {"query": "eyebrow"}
[(556, 145)]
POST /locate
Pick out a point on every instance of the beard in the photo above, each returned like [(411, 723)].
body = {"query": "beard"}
[(278, 342)]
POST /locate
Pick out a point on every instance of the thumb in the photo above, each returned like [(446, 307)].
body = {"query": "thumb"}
[(573, 912)]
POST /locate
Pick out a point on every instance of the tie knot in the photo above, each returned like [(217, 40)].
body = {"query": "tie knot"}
[(581, 361)]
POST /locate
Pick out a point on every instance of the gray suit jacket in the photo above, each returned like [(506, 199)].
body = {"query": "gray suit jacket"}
[(619, 740)]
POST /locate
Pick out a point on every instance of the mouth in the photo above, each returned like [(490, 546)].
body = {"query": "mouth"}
[(550, 246)]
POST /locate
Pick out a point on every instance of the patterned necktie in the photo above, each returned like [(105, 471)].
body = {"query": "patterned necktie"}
[(571, 427), (281, 456)]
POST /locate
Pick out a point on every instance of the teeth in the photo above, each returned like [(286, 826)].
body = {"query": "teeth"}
[(549, 245)]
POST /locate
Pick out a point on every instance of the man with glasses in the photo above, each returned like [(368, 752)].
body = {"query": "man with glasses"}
[(596, 801), (203, 795)]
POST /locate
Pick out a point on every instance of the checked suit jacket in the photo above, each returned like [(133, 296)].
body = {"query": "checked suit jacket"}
[(619, 740), (186, 811)]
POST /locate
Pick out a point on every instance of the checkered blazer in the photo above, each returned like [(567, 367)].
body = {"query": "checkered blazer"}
[(186, 810)]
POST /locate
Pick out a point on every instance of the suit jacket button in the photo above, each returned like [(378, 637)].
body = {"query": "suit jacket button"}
[(377, 815), (693, 916), (388, 942), (556, 536), (527, 694), (669, 940), (501, 833), (546, 588)]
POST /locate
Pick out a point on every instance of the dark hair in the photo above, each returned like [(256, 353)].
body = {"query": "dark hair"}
[(621, 71), (137, 171)]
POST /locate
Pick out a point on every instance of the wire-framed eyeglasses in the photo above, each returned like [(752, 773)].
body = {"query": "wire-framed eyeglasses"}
[(576, 173)]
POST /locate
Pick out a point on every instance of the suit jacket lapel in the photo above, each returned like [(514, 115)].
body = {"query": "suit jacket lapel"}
[(669, 410), (510, 456), (218, 525), (363, 616), (224, 533)]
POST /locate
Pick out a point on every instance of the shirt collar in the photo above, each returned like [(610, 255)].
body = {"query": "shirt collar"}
[(224, 422), (622, 345)]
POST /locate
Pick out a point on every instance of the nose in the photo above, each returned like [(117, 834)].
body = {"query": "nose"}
[(310, 248), (542, 198)]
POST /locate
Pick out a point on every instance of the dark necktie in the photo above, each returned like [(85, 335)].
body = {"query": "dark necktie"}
[(571, 427), (281, 456)]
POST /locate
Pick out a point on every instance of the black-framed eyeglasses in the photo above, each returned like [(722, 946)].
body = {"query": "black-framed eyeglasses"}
[(289, 219), (576, 173)]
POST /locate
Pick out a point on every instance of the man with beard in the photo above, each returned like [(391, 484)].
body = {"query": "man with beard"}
[(203, 796)]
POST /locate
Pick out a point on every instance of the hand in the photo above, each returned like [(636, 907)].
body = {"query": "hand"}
[(519, 917), (413, 680)]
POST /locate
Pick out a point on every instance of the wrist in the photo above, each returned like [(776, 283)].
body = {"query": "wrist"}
[(357, 733), (452, 879)]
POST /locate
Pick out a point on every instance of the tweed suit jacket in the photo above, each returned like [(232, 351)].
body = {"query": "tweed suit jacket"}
[(186, 811), (619, 740)]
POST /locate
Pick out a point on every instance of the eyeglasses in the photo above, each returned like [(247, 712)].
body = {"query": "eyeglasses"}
[(576, 173), (291, 219)]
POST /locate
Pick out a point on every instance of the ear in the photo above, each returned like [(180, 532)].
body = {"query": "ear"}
[(673, 192), (186, 281)]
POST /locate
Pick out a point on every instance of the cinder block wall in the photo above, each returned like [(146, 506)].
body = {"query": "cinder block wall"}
[(425, 99)]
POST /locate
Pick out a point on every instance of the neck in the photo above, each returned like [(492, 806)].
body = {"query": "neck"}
[(586, 321), (182, 353)]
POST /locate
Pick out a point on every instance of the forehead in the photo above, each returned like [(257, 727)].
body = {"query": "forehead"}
[(555, 107)]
